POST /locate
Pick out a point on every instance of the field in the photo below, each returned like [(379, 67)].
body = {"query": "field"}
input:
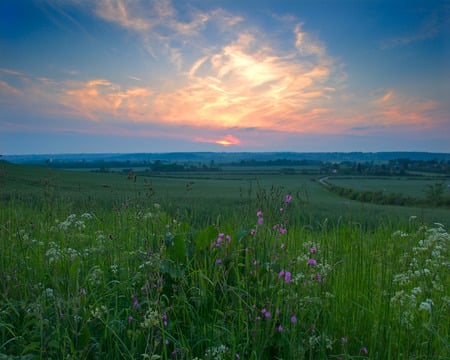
[(231, 265), (411, 186)]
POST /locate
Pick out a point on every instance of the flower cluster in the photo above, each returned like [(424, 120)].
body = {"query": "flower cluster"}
[(421, 285)]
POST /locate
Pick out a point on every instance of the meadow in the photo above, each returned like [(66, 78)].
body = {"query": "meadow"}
[(215, 266)]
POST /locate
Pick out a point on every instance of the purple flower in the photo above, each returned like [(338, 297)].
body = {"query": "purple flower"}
[(279, 328), (228, 238), (293, 319), (266, 313), (281, 274), (288, 198), (260, 220), (313, 250), (319, 278), (364, 350), (312, 262), (237, 356), (282, 230), (287, 276), (218, 261), (130, 319), (135, 301), (252, 232), (259, 213)]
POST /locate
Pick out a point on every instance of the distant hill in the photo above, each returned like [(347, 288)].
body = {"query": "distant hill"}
[(223, 157)]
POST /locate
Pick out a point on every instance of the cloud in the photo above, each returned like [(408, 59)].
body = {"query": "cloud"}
[(7, 89), (121, 12), (429, 28), (227, 140)]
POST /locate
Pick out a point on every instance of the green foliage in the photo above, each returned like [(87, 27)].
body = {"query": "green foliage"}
[(135, 278)]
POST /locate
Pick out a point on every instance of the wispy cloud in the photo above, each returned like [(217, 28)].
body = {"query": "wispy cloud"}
[(430, 27), (7, 89)]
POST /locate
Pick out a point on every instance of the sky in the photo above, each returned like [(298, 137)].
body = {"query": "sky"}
[(83, 76)]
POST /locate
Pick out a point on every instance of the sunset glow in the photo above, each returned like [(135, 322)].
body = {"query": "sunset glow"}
[(197, 75)]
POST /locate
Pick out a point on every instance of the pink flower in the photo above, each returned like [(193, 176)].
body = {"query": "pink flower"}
[(259, 213), (279, 328), (312, 262), (319, 278), (313, 250), (288, 198), (281, 274), (260, 221)]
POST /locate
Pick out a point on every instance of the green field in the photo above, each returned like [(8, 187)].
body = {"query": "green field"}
[(409, 186), (221, 265)]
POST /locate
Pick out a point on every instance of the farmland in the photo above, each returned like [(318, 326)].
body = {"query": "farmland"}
[(249, 263)]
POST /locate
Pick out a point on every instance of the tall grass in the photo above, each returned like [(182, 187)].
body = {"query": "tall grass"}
[(138, 280)]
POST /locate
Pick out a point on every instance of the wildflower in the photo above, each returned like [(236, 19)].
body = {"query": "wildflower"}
[(318, 277), (283, 246), (266, 313), (312, 262), (279, 328), (237, 356), (287, 276), (130, 319), (164, 318), (218, 261), (135, 301), (313, 250), (426, 305), (288, 198), (252, 232), (82, 292), (293, 319), (364, 350), (260, 215), (281, 274), (228, 238), (344, 340)]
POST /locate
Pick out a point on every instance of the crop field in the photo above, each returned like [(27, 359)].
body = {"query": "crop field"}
[(216, 265)]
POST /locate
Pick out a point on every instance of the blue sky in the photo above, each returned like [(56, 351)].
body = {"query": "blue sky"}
[(80, 76)]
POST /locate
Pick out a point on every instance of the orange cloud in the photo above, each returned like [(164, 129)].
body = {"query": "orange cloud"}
[(228, 140)]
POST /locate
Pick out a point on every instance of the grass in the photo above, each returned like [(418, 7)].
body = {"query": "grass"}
[(128, 272), (414, 187)]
